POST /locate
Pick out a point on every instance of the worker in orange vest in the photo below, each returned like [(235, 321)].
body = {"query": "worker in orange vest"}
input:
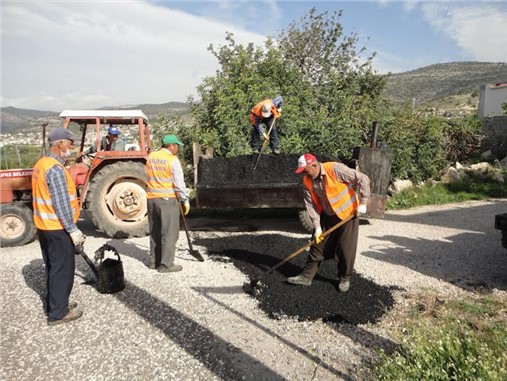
[(55, 211), (262, 118), (333, 192), (165, 189)]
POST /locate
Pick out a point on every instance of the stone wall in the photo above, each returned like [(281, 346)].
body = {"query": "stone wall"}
[(495, 135)]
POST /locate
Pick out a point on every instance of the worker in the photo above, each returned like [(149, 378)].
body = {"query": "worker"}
[(111, 142), (55, 211), (262, 118), (165, 189), (330, 197)]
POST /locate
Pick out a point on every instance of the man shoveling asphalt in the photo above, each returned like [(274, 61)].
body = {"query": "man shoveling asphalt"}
[(330, 197)]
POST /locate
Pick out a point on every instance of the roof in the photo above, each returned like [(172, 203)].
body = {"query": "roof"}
[(107, 116)]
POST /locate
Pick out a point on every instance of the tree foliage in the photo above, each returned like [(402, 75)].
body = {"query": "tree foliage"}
[(331, 98), (331, 94)]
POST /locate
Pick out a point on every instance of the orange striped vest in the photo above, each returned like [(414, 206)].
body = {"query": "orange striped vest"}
[(341, 196), (158, 168), (44, 214), (257, 111)]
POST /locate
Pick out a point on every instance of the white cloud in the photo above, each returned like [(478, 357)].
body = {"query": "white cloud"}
[(90, 54), (478, 29)]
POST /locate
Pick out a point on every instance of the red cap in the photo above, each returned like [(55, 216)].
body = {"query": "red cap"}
[(304, 161)]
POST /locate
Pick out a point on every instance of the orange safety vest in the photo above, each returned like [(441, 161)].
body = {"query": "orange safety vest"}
[(257, 110), (341, 196), (44, 214), (158, 167)]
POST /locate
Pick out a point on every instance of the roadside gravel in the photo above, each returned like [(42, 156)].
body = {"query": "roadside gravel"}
[(199, 324)]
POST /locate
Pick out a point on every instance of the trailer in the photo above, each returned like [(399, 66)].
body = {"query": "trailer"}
[(233, 183)]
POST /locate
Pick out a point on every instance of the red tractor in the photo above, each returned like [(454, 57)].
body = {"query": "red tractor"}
[(111, 184)]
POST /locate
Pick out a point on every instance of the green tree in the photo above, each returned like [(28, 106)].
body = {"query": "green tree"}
[(331, 95)]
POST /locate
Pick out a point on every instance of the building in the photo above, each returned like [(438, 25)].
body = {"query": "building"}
[(491, 99)]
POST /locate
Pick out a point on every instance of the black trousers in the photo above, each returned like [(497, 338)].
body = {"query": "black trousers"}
[(59, 257), (340, 245), (164, 221)]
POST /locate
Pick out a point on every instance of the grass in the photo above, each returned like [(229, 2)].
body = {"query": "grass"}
[(468, 188), (456, 340)]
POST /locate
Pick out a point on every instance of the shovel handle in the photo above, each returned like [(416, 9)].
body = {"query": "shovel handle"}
[(306, 246), (265, 142)]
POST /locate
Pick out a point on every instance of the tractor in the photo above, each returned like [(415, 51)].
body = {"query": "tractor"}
[(111, 185)]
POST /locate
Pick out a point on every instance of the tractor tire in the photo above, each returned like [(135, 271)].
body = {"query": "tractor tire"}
[(116, 200), (306, 221), (16, 225)]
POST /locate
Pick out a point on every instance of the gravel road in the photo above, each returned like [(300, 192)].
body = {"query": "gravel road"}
[(199, 324)]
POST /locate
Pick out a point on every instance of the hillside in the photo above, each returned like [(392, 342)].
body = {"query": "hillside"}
[(443, 83), (16, 119), (451, 88)]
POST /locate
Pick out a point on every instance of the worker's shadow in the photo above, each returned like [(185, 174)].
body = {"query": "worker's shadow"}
[(35, 277)]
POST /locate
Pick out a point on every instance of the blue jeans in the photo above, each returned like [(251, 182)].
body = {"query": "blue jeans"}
[(274, 143)]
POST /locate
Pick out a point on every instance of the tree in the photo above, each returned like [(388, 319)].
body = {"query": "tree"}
[(331, 95)]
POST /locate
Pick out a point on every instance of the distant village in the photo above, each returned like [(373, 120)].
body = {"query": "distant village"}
[(35, 138)]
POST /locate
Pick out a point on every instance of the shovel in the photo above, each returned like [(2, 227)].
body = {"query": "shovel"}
[(80, 250), (252, 288), (265, 142), (193, 253)]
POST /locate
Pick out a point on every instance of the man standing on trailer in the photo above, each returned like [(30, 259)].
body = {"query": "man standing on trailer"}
[(262, 118)]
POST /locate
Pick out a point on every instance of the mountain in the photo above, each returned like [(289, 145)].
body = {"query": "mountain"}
[(16, 119), (448, 87), (438, 84)]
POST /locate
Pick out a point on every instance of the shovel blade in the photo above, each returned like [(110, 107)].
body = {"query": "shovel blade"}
[(196, 255)]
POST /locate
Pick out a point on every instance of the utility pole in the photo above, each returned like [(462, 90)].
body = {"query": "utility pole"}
[(19, 156)]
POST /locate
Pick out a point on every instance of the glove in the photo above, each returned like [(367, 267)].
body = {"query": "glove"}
[(265, 136), (361, 209), (186, 207), (77, 237), (317, 236)]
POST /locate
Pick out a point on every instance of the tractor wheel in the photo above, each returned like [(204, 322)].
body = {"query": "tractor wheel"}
[(306, 221), (116, 200), (16, 225)]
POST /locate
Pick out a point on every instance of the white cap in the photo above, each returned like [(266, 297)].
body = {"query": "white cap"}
[(266, 110)]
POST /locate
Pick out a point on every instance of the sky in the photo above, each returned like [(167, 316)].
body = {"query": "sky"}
[(78, 54)]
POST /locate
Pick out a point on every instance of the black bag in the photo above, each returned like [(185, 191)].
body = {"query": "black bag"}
[(110, 271)]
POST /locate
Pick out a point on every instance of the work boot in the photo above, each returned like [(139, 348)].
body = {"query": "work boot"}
[(343, 285), (73, 314), (72, 305), (299, 279), (171, 269), (256, 151), (152, 265), (276, 151)]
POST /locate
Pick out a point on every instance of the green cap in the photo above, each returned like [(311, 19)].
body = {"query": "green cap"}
[(171, 139)]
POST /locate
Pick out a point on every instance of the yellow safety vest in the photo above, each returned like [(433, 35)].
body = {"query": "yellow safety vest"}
[(158, 167), (341, 196), (44, 213)]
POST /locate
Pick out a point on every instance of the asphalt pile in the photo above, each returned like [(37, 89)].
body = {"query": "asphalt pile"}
[(238, 170), (365, 302)]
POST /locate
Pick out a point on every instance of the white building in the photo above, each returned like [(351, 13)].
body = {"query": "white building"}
[(491, 99)]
